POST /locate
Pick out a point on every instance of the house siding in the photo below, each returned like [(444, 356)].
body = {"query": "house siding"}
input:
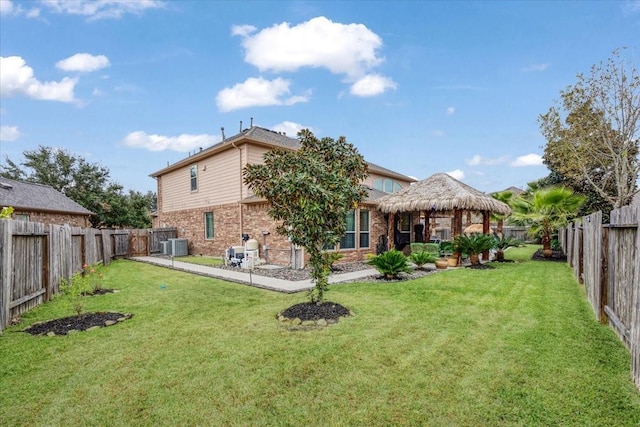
[(219, 180)]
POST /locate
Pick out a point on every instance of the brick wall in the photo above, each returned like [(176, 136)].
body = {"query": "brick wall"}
[(50, 218), (255, 221)]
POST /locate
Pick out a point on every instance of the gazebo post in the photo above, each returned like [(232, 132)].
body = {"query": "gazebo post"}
[(457, 228), (427, 226), (391, 230), (485, 229)]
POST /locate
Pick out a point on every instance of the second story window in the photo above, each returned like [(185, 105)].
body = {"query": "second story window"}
[(194, 177), (387, 185)]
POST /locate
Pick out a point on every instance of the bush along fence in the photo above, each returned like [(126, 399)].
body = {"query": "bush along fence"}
[(36, 258), (606, 259)]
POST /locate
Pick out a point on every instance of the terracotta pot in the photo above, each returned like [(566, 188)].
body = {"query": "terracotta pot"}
[(452, 261), (547, 253), (442, 264)]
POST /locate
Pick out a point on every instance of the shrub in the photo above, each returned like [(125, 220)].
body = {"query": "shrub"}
[(391, 264), (473, 245), (504, 242), (422, 258), (330, 258)]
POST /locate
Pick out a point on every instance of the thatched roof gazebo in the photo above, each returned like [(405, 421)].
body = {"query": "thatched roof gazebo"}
[(445, 194)]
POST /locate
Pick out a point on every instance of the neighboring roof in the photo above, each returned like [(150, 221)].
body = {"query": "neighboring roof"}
[(513, 190), (265, 137), (37, 197), (440, 192)]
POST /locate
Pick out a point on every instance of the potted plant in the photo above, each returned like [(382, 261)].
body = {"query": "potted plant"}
[(473, 245)]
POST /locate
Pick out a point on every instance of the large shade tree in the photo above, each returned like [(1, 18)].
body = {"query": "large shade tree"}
[(593, 132), (310, 192), (88, 184)]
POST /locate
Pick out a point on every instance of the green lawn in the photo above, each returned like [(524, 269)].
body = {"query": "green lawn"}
[(202, 260), (517, 345)]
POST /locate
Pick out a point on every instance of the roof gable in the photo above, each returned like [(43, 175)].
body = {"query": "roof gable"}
[(37, 197)]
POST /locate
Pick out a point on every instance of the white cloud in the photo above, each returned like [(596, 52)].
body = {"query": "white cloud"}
[(372, 85), (83, 62), (181, 143), (343, 49), (450, 111), (101, 9), (535, 67), (7, 8), (291, 129), (478, 160), (346, 49), (16, 78), (242, 30), (9, 133), (457, 174), (258, 92), (528, 160)]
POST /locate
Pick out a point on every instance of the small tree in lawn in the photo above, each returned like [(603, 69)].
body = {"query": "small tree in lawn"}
[(310, 191)]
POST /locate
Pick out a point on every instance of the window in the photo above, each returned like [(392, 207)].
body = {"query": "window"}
[(348, 241), (208, 225), (405, 223), (21, 217), (364, 229), (387, 185), (194, 177)]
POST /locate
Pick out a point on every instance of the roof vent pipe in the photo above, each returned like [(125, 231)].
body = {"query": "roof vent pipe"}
[(240, 125), (222, 129), (251, 122)]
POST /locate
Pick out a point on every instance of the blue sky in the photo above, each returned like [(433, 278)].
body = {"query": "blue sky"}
[(417, 87)]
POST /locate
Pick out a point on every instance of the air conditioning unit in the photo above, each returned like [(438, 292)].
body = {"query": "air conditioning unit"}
[(165, 248), (179, 247)]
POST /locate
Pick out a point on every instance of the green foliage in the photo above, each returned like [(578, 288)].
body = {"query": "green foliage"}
[(545, 210), (89, 281), (473, 244), (422, 258), (6, 212), (331, 258), (593, 132), (502, 242), (88, 184), (446, 247), (310, 191), (391, 263)]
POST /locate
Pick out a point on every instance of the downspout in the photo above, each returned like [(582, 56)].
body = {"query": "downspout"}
[(233, 144)]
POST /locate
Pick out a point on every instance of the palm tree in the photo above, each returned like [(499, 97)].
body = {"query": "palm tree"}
[(473, 245), (546, 210), (505, 197)]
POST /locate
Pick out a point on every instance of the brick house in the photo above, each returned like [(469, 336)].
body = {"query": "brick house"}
[(204, 197), (41, 203)]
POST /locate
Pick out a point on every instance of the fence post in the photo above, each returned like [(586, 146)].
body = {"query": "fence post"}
[(5, 271), (604, 276)]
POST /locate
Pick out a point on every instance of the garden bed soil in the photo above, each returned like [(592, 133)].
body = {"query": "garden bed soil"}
[(77, 323), (557, 256), (101, 291), (312, 311)]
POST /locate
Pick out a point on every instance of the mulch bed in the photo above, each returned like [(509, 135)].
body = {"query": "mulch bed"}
[(101, 291), (77, 323), (557, 256), (312, 311)]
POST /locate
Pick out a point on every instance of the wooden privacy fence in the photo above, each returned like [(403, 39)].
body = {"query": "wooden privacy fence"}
[(36, 258), (606, 259)]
